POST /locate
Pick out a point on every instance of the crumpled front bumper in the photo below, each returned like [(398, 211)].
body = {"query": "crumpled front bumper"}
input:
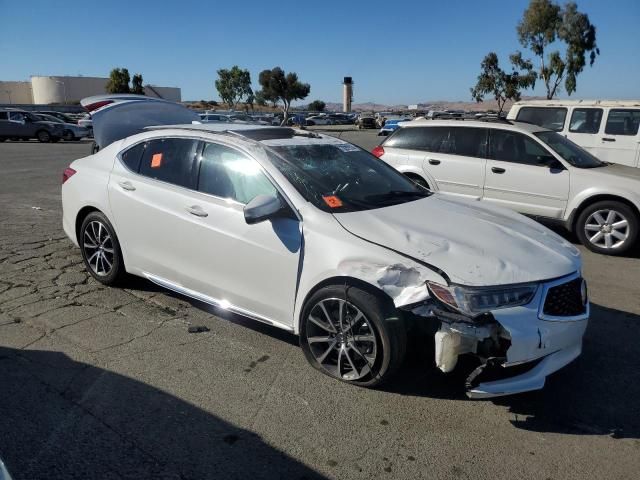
[(538, 345)]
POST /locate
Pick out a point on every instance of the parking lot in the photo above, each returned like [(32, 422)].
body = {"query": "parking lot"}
[(100, 382)]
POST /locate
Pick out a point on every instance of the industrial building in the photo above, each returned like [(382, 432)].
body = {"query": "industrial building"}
[(64, 90)]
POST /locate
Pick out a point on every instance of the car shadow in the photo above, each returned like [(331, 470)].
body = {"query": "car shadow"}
[(597, 394), (66, 419)]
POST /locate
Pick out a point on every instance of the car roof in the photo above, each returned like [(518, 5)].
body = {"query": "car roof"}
[(506, 125), (576, 103)]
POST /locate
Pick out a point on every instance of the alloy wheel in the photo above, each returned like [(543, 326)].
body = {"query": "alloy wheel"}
[(607, 229), (341, 339), (98, 248)]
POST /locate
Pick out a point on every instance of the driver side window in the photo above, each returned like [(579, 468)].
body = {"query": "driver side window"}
[(228, 173), (515, 147)]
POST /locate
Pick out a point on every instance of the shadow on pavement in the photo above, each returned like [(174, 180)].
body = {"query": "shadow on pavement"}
[(595, 395), (63, 419)]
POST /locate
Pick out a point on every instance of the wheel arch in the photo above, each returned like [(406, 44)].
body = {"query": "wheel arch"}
[(600, 197), (339, 280), (81, 215)]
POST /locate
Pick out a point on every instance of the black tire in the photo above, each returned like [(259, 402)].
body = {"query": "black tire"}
[(593, 232), (43, 136), (90, 234), (382, 321), (68, 136)]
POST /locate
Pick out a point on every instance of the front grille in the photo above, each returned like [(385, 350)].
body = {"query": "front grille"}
[(565, 300)]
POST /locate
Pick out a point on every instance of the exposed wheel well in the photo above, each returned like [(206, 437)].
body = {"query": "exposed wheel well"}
[(416, 178), (82, 214), (599, 198), (346, 281)]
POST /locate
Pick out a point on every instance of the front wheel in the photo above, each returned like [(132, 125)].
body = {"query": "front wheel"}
[(68, 136), (353, 335), (608, 227)]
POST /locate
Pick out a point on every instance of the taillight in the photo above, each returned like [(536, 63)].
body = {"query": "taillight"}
[(67, 174), (378, 151)]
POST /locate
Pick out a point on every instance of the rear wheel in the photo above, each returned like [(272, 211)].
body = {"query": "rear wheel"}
[(101, 249), (608, 227), (353, 335), (43, 136)]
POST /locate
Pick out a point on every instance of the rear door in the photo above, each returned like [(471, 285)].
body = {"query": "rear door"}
[(620, 141), (148, 191), (520, 176), (584, 128)]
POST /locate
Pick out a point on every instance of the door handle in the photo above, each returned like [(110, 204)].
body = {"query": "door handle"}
[(605, 139), (127, 186), (433, 161), (197, 211), (497, 170)]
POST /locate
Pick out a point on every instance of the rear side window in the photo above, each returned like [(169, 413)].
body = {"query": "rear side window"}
[(228, 173), (547, 117), (515, 147), (622, 122), (171, 160), (585, 120), (466, 141), (411, 138), (131, 158)]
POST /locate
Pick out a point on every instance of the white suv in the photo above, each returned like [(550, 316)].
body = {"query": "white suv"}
[(524, 167)]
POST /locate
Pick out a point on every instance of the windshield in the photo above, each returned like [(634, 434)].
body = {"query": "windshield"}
[(340, 177), (572, 153)]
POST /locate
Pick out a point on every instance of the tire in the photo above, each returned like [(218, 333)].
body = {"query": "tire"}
[(99, 243), (367, 362), (68, 136), (608, 227), (43, 136)]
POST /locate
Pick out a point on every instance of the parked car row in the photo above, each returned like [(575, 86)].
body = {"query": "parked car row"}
[(362, 253), (45, 126)]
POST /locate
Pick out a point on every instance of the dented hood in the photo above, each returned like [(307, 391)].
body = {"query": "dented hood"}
[(473, 243)]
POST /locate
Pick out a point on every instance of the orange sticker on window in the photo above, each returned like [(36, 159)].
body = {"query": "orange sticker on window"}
[(156, 160), (332, 201)]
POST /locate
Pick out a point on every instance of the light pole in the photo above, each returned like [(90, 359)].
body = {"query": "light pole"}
[(64, 89), (8, 92)]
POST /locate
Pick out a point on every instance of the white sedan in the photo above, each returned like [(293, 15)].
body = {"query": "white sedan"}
[(316, 236)]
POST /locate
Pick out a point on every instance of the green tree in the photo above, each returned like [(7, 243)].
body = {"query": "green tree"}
[(136, 84), (317, 106), (118, 81), (278, 86), (234, 85), (501, 85), (259, 99), (545, 23)]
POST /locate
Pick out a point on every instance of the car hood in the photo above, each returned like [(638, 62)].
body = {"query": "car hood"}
[(474, 244)]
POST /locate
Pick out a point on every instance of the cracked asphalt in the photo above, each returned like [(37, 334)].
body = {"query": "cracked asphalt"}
[(107, 383)]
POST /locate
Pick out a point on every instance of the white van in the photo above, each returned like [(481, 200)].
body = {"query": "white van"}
[(607, 128)]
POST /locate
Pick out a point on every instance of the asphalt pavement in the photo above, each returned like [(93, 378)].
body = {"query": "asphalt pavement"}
[(105, 383)]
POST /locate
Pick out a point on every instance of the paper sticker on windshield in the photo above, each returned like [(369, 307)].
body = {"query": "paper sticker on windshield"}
[(332, 201), (347, 147), (156, 160)]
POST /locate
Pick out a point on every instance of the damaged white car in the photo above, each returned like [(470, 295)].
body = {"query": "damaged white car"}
[(314, 235)]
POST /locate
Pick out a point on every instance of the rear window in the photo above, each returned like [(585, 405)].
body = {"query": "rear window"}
[(131, 158), (622, 122), (467, 141), (171, 160), (547, 117)]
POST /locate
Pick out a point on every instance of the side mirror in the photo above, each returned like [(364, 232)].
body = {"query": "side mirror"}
[(262, 208)]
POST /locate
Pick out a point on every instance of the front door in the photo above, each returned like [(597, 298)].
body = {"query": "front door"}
[(620, 140), (521, 175), (250, 267)]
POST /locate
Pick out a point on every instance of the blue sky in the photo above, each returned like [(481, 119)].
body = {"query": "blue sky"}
[(397, 52)]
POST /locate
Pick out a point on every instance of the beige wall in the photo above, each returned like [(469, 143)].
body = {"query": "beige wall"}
[(56, 89), (15, 92)]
